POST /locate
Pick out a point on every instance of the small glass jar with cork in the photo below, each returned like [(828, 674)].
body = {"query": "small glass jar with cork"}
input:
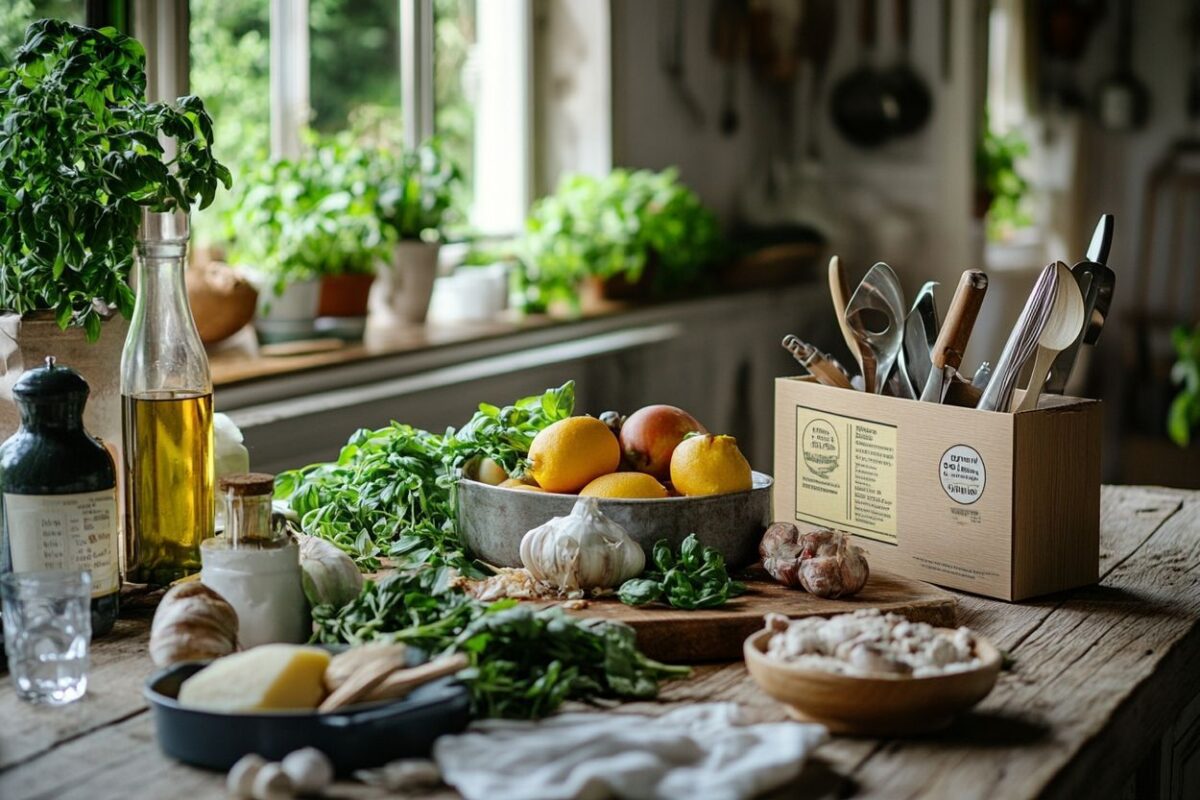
[(255, 566)]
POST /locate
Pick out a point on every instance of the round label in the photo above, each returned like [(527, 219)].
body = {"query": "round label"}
[(820, 448), (963, 474)]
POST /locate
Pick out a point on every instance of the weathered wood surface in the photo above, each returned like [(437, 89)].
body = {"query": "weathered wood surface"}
[(717, 634), (1099, 675)]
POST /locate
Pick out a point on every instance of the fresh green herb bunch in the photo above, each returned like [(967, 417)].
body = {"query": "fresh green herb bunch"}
[(523, 663), (391, 491), (620, 225), (1005, 188), (1184, 415), (415, 191), (300, 219), (697, 578), (80, 156)]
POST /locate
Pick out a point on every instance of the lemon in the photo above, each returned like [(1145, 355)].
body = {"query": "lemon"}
[(569, 454), (709, 465), (519, 483), (624, 484), (524, 487)]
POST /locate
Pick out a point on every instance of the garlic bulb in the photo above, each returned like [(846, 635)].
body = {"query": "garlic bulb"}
[(329, 575), (192, 623), (584, 550)]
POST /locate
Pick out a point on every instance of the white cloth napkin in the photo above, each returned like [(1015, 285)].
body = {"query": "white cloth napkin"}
[(696, 751)]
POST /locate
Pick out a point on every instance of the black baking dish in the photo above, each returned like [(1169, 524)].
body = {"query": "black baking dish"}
[(357, 738)]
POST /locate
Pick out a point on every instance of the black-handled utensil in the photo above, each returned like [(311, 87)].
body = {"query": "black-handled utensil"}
[(1096, 281)]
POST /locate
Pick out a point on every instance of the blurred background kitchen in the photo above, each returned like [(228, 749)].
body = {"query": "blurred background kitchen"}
[(643, 195)]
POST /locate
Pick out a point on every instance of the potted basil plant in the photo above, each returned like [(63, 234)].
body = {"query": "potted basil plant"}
[(81, 156), (306, 231), (414, 202)]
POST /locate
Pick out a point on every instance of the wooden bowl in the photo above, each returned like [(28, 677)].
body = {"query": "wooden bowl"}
[(862, 706)]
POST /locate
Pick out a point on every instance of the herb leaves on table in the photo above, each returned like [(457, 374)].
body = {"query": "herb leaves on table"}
[(696, 578), (391, 491), (523, 662)]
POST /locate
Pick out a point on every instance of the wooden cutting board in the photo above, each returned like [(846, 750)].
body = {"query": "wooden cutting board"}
[(685, 637)]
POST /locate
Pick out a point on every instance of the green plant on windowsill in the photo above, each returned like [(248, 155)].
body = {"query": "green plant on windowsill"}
[(624, 225), (80, 157), (415, 191), (1184, 415), (1002, 188), (302, 219)]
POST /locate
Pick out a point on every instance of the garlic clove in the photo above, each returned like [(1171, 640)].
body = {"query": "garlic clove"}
[(240, 781), (272, 783), (309, 769)]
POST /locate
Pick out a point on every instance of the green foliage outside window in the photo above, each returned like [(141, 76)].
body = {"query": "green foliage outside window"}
[(997, 175), (1184, 415)]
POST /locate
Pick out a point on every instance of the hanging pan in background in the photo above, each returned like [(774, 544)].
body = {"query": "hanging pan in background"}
[(1122, 101), (914, 103), (862, 105)]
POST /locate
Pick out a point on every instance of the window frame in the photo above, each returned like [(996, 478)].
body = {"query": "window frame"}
[(502, 190)]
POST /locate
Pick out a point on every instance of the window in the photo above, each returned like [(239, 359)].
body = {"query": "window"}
[(268, 69)]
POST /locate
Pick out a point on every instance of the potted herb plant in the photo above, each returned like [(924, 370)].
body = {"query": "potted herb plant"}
[(81, 156), (631, 233), (306, 230), (414, 202)]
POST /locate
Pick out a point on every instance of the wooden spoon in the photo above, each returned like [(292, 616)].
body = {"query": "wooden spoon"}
[(839, 291), (1066, 319)]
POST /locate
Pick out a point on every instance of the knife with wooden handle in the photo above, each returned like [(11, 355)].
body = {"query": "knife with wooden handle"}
[(956, 329), (839, 292)]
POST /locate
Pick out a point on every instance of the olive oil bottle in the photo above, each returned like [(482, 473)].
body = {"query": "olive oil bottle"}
[(166, 394)]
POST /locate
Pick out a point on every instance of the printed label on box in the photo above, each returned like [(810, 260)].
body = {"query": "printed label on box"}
[(846, 473)]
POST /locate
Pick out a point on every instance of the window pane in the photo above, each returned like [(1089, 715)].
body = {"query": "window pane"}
[(455, 86), (230, 58), (354, 67), (15, 16)]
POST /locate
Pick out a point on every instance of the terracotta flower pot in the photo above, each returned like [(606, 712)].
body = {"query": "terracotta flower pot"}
[(344, 295), (402, 289)]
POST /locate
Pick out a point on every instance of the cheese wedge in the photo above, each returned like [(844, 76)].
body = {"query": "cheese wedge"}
[(273, 677)]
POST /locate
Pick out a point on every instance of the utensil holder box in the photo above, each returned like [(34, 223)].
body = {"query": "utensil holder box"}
[(1005, 505)]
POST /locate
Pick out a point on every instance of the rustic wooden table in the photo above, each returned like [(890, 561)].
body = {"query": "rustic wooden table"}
[(1103, 698)]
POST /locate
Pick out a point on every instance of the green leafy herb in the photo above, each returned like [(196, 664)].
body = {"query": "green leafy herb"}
[(300, 219), (81, 154), (696, 578), (620, 225), (390, 492), (1184, 415), (1002, 184), (523, 663), (416, 191)]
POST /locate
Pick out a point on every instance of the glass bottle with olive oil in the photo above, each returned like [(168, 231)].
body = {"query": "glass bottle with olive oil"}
[(166, 395)]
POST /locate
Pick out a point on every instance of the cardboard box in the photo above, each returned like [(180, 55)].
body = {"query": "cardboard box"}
[(1002, 505)]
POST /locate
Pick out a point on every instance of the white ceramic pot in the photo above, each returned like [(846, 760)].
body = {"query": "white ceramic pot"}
[(401, 292), (290, 315)]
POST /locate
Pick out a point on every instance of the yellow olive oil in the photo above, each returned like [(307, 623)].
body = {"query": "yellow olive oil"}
[(169, 478)]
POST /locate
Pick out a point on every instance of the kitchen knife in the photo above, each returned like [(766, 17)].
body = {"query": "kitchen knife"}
[(947, 353), (1096, 281)]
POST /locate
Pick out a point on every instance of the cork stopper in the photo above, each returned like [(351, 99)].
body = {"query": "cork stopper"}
[(248, 484)]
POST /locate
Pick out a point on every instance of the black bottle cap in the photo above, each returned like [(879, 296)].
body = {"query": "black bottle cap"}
[(50, 384)]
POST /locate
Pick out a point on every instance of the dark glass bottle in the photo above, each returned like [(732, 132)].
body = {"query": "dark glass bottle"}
[(59, 489)]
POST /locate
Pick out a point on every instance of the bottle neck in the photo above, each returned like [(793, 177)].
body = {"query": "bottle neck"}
[(248, 520)]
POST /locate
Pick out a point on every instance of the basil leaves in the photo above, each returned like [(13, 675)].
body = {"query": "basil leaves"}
[(81, 154), (696, 578)]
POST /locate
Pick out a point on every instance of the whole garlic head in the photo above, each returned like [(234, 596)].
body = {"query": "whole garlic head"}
[(583, 550)]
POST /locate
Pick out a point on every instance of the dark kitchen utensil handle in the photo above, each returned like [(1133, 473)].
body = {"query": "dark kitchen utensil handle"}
[(866, 24), (960, 319)]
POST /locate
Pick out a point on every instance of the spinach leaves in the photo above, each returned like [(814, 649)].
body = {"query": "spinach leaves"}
[(523, 663), (697, 578), (80, 156), (391, 491)]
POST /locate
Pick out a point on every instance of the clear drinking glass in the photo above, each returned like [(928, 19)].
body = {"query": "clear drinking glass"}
[(47, 625)]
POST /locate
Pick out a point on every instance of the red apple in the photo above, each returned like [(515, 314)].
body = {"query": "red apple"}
[(651, 434)]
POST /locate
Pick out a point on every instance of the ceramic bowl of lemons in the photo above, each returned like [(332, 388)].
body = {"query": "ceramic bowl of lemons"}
[(493, 519)]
